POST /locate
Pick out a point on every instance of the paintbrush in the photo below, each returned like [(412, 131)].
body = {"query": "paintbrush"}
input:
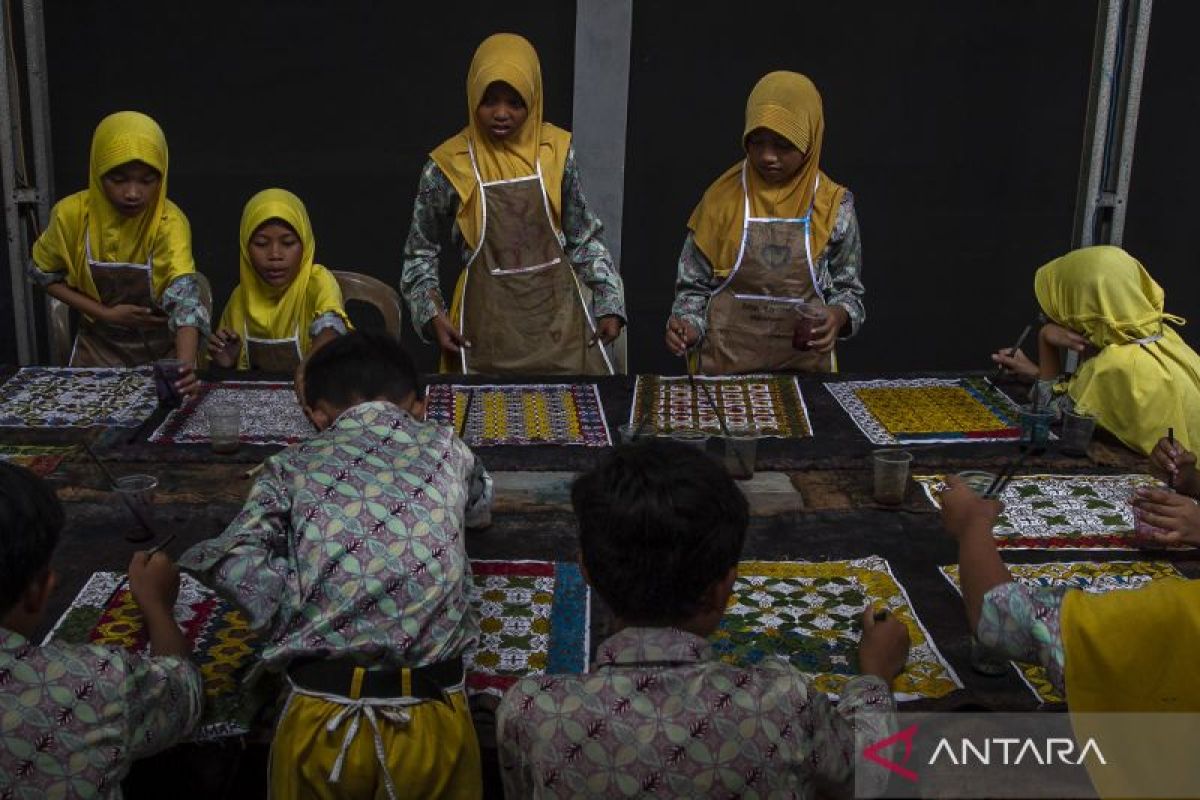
[(170, 538), (1000, 482), (745, 469), (1012, 351), (112, 482), (1171, 474)]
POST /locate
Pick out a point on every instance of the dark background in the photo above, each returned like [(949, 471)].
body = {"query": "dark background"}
[(957, 126)]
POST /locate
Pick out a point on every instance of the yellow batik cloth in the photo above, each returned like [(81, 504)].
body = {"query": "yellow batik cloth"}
[(1144, 379), (433, 755), (788, 104), (160, 232), (1134, 652), (268, 312)]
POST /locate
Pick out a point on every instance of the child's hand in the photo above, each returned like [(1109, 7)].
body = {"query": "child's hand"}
[(608, 328), (1169, 460), (1018, 364), (883, 649), (681, 336), (824, 333), (224, 347), (448, 337), (964, 511), (1058, 336), (188, 384), (1166, 517), (129, 316), (154, 582)]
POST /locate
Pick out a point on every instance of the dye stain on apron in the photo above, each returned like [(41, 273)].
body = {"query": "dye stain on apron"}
[(752, 315), (273, 355), (99, 344), (522, 308)]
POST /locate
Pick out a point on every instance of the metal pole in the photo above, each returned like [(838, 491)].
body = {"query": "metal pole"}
[(1137, 37), (39, 107), (10, 132)]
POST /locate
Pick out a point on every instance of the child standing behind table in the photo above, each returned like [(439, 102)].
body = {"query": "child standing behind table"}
[(350, 555)]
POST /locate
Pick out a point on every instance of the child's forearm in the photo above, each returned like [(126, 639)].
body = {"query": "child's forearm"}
[(78, 300), (187, 342), (980, 568), (166, 639), (1049, 361)]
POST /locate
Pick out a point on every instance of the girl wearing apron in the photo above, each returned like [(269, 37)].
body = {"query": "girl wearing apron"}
[(539, 294), (120, 253), (774, 241), (286, 305)]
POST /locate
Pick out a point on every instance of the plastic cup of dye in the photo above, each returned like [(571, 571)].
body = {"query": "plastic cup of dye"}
[(808, 317), (891, 475), (631, 432), (166, 372), (224, 428), (741, 453), (1077, 432), (1035, 427), (978, 480), (135, 495), (985, 660), (692, 438)]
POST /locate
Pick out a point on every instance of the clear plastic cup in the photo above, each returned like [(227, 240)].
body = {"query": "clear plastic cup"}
[(224, 428), (166, 372), (741, 452), (987, 661), (1077, 432), (808, 317), (135, 494), (1035, 427), (891, 475), (631, 432), (978, 480), (692, 438)]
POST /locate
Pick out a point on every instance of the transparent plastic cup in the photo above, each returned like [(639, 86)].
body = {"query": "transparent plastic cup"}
[(1077, 432), (741, 452), (692, 438), (224, 428), (135, 494), (978, 480), (1035, 427), (891, 475)]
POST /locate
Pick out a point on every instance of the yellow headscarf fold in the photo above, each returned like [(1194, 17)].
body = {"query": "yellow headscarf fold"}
[(1135, 390), (789, 104), (509, 58), (1135, 652), (269, 312), (119, 138)]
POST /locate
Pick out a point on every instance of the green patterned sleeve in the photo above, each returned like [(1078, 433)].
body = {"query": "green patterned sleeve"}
[(695, 283), (582, 231), (1025, 623), (840, 266), (181, 301), (433, 216)]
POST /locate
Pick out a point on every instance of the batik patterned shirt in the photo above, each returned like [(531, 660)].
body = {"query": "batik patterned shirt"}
[(74, 717), (838, 271), (434, 212), (659, 714), (1025, 623), (351, 543)]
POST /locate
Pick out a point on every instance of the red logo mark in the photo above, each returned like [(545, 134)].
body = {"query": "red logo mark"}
[(906, 736)]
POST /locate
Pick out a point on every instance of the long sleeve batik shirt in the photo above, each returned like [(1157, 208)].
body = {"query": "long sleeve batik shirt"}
[(352, 543), (838, 271), (660, 715), (1025, 623), (434, 213), (73, 718)]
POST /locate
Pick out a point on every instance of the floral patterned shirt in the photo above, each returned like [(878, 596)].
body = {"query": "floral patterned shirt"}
[(838, 270), (351, 543), (1025, 623), (659, 713), (434, 212), (74, 717), (181, 300)]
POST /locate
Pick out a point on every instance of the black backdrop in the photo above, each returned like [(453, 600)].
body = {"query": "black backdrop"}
[(957, 125)]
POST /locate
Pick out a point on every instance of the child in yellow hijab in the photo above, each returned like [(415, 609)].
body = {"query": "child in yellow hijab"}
[(1139, 378), (120, 253), (285, 306), (770, 236), (507, 190)]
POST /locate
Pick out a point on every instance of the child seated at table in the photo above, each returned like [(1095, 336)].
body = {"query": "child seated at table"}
[(286, 305), (73, 718), (1139, 378), (350, 555), (120, 253), (661, 530)]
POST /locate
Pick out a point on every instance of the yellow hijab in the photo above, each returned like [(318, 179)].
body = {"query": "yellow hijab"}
[(270, 312), (789, 104), (1135, 652), (119, 138), (509, 58), (1135, 390)]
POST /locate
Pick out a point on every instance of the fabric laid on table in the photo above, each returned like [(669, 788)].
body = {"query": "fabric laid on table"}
[(270, 414), (565, 414), (63, 397), (764, 405)]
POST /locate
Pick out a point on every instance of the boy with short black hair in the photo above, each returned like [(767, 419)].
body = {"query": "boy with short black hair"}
[(73, 718), (661, 531), (349, 552)]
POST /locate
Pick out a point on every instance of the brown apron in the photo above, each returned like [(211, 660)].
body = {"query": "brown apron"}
[(99, 344), (752, 315), (273, 355), (522, 308)]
